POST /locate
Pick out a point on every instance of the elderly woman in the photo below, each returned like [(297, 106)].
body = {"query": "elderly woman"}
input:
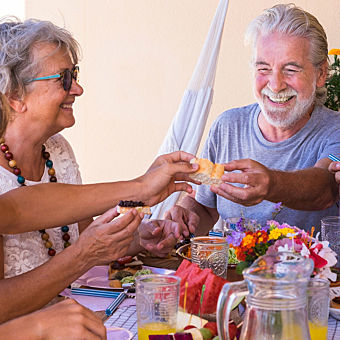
[(38, 73)]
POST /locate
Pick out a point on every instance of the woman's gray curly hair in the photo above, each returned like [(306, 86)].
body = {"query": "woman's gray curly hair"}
[(292, 20), (17, 66)]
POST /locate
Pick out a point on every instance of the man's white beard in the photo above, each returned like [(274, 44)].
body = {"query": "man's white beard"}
[(282, 117)]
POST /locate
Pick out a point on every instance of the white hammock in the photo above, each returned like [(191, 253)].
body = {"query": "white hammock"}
[(187, 127)]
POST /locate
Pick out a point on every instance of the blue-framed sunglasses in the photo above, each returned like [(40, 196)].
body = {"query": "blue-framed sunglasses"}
[(65, 77)]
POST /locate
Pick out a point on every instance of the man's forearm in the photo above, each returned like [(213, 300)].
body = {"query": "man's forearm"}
[(310, 189)]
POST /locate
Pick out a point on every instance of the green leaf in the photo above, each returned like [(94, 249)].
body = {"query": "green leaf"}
[(241, 266)]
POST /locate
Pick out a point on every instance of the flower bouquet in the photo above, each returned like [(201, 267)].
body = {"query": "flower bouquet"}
[(333, 82), (250, 242)]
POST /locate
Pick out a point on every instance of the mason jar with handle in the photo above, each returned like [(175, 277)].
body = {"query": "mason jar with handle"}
[(275, 287)]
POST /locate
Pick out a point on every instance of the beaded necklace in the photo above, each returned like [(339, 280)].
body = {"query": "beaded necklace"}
[(21, 180)]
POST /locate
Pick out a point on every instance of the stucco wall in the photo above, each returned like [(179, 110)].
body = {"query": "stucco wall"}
[(138, 56)]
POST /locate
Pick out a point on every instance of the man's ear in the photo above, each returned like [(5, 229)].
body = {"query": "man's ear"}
[(322, 74), (16, 103)]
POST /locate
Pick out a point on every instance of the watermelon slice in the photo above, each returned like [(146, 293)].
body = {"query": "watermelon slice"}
[(213, 286), (184, 271), (184, 265), (195, 281)]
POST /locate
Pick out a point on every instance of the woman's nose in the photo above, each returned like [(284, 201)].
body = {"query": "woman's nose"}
[(76, 89)]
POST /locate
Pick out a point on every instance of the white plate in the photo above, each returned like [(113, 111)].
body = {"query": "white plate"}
[(114, 333), (97, 277)]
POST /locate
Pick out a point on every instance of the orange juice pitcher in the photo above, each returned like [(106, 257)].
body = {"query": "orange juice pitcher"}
[(275, 287)]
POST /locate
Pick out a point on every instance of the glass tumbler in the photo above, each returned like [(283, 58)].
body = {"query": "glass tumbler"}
[(210, 252), (318, 308), (157, 299), (330, 231)]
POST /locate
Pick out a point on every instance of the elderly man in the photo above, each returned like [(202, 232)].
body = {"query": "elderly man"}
[(275, 150)]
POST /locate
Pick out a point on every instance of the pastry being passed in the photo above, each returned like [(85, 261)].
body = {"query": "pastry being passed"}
[(208, 172), (126, 206)]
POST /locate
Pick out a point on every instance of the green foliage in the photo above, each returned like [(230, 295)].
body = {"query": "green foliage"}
[(333, 85)]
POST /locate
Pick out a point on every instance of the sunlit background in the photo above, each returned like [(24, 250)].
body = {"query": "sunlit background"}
[(138, 57), (13, 7)]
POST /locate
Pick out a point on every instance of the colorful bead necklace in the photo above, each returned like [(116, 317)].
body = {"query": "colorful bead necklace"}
[(21, 180)]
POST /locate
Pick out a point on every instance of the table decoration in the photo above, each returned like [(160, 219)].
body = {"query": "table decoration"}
[(210, 252), (260, 240), (333, 82)]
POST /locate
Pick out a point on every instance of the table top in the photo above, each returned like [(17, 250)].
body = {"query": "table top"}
[(125, 316), (333, 329)]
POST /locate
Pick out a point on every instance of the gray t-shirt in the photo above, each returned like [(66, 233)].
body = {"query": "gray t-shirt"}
[(236, 135)]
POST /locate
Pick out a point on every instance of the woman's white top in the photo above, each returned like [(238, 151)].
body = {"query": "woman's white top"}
[(26, 251)]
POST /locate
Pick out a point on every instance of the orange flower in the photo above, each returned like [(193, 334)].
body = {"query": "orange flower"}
[(334, 51), (248, 241)]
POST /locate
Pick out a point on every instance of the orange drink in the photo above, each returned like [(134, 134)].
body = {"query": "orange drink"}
[(153, 328), (157, 298), (317, 332)]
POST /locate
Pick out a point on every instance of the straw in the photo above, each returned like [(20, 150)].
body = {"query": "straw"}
[(202, 293), (311, 235), (114, 304), (333, 158), (189, 323), (185, 295)]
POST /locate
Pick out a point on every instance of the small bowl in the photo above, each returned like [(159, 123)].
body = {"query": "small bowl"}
[(182, 251)]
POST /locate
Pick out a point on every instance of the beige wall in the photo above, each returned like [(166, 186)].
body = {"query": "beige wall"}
[(138, 56)]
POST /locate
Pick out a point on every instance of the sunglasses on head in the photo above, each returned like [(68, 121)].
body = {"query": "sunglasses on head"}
[(65, 77)]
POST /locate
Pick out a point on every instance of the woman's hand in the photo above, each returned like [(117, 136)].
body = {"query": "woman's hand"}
[(105, 240), (160, 180), (64, 320), (70, 320)]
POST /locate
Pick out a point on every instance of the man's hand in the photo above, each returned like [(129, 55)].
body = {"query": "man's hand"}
[(105, 239), (334, 167), (159, 236), (187, 220), (160, 180), (255, 178)]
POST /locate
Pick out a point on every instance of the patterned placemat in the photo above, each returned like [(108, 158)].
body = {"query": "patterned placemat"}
[(124, 317)]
